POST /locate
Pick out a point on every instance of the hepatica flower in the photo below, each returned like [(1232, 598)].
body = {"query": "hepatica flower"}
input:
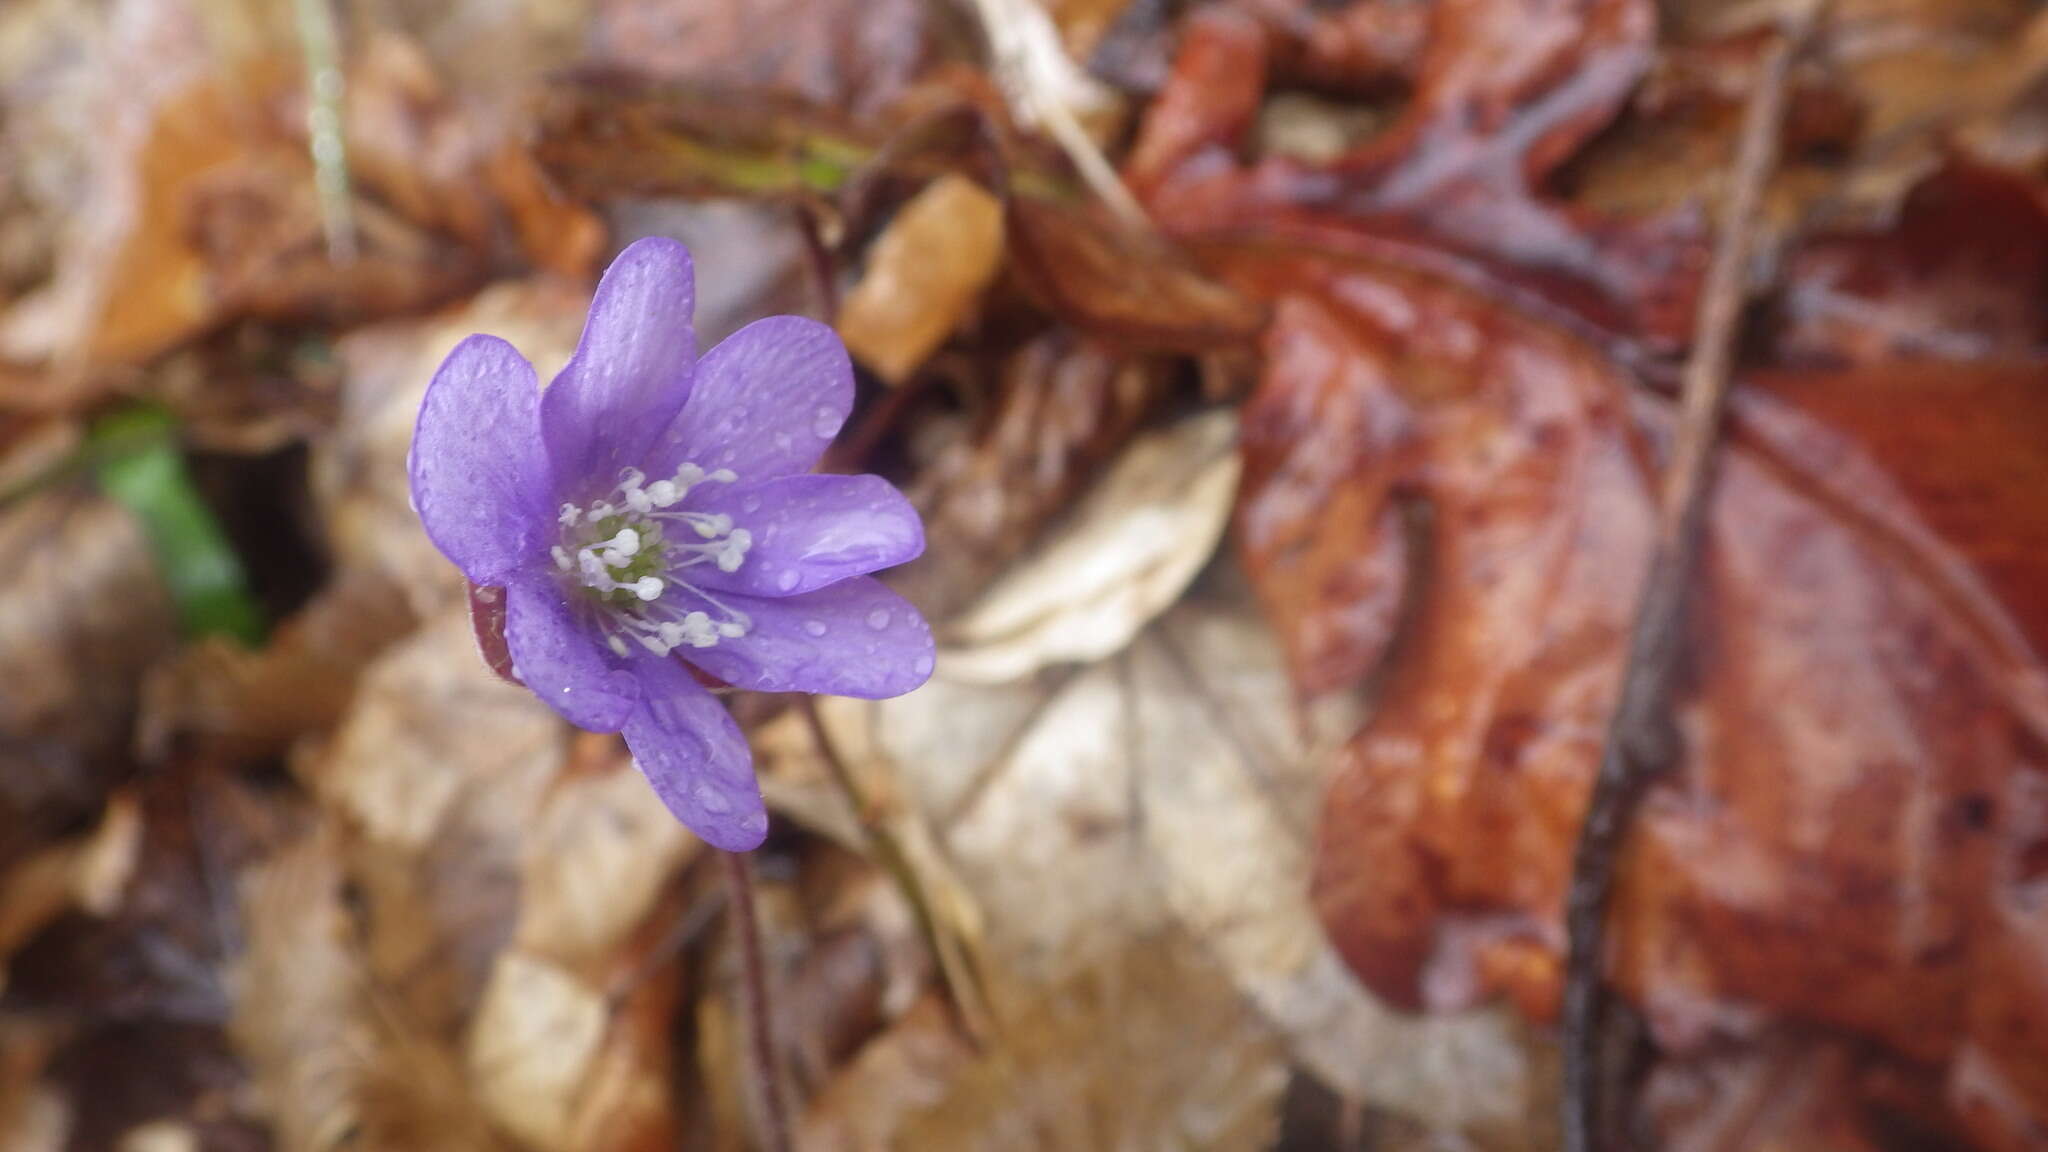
[(651, 507)]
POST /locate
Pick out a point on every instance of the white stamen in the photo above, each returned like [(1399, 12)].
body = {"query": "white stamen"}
[(658, 621)]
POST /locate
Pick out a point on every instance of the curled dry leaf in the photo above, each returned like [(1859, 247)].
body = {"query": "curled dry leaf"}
[(1060, 408), (1127, 553), (537, 1036), (1121, 283), (201, 206), (924, 276)]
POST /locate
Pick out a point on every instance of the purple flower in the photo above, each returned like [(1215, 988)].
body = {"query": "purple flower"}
[(651, 505)]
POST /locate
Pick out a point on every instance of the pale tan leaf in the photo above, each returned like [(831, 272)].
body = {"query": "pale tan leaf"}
[(1165, 794), (1125, 556), (536, 1037), (924, 276), (597, 856)]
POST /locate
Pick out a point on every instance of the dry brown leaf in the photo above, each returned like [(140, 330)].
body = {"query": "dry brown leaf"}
[(538, 1032), (505, 889), (88, 873), (1060, 407), (925, 275), (1165, 794), (1125, 555), (243, 702), (598, 855), (1147, 1047), (858, 55), (337, 1068), (439, 816), (71, 657)]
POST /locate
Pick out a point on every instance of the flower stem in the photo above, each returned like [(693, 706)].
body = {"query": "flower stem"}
[(739, 882)]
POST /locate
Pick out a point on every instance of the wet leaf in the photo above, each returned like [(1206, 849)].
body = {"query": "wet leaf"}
[(1787, 826), (1956, 277), (72, 655), (1506, 92)]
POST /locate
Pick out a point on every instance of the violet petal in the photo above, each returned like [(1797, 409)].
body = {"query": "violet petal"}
[(810, 531), (631, 371), (687, 745), (765, 403), (479, 478), (559, 658), (853, 638)]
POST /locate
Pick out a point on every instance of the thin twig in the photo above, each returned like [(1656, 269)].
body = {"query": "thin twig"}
[(739, 877), (323, 128), (958, 975), (1039, 80), (1640, 739)]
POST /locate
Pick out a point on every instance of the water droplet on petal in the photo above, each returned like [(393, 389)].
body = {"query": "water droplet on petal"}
[(878, 619), (815, 627), (825, 423), (712, 800), (782, 441), (754, 822), (751, 504), (924, 665), (787, 580)]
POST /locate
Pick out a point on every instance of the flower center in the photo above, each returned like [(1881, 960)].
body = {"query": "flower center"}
[(630, 551)]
